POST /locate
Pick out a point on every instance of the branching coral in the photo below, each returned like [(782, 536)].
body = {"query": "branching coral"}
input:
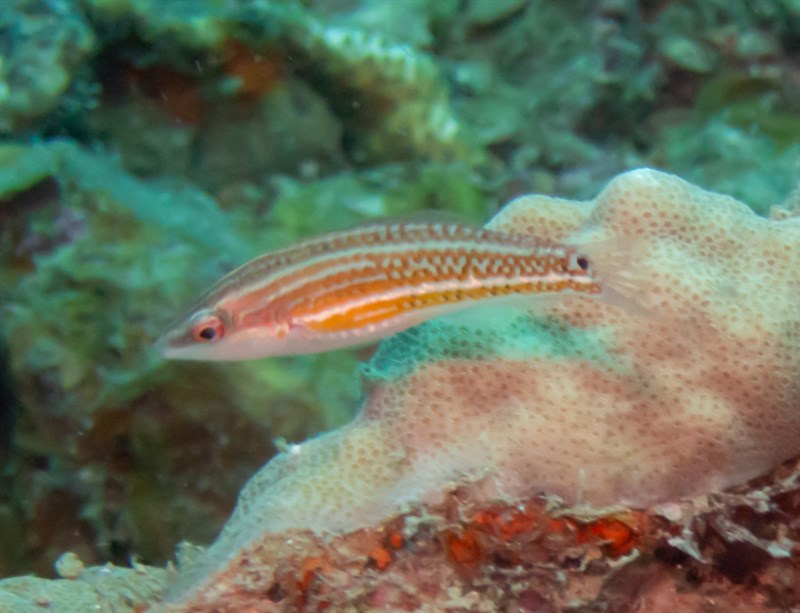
[(577, 399)]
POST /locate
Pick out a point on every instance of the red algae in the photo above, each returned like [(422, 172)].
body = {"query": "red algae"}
[(257, 72), (179, 94)]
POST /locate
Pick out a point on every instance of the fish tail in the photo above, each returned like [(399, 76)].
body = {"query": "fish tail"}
[(616, 264)]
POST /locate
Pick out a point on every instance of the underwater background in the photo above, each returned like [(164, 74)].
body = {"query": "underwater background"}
[(149, 146)]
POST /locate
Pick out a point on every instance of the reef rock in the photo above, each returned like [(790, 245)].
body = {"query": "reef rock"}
[(103, 589), (695, 389), (44, 45)]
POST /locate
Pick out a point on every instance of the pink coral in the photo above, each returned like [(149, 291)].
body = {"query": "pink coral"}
[(576, 399)]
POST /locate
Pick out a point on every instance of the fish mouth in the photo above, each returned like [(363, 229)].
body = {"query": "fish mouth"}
[(169, 346), (162, 346), (171, 352)]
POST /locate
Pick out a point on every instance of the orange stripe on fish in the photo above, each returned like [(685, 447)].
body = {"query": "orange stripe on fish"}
[(359, 285)]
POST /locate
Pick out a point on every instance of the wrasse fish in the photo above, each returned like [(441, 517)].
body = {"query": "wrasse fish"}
[(356, 286)]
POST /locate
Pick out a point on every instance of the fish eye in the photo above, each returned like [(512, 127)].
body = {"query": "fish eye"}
[(583, 262), (208, 329)]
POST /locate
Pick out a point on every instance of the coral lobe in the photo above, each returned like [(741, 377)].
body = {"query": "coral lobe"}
[(608, 409)]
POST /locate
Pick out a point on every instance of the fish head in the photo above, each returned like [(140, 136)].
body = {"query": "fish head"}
[(214, 334)]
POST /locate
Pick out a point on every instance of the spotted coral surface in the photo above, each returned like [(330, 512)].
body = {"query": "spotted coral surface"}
[(694, 389)]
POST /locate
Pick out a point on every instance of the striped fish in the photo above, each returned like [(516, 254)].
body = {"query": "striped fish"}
[(360, 285)]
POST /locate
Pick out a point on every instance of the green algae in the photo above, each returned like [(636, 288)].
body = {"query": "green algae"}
[(48, 44), (748, 165), (115, 258)]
